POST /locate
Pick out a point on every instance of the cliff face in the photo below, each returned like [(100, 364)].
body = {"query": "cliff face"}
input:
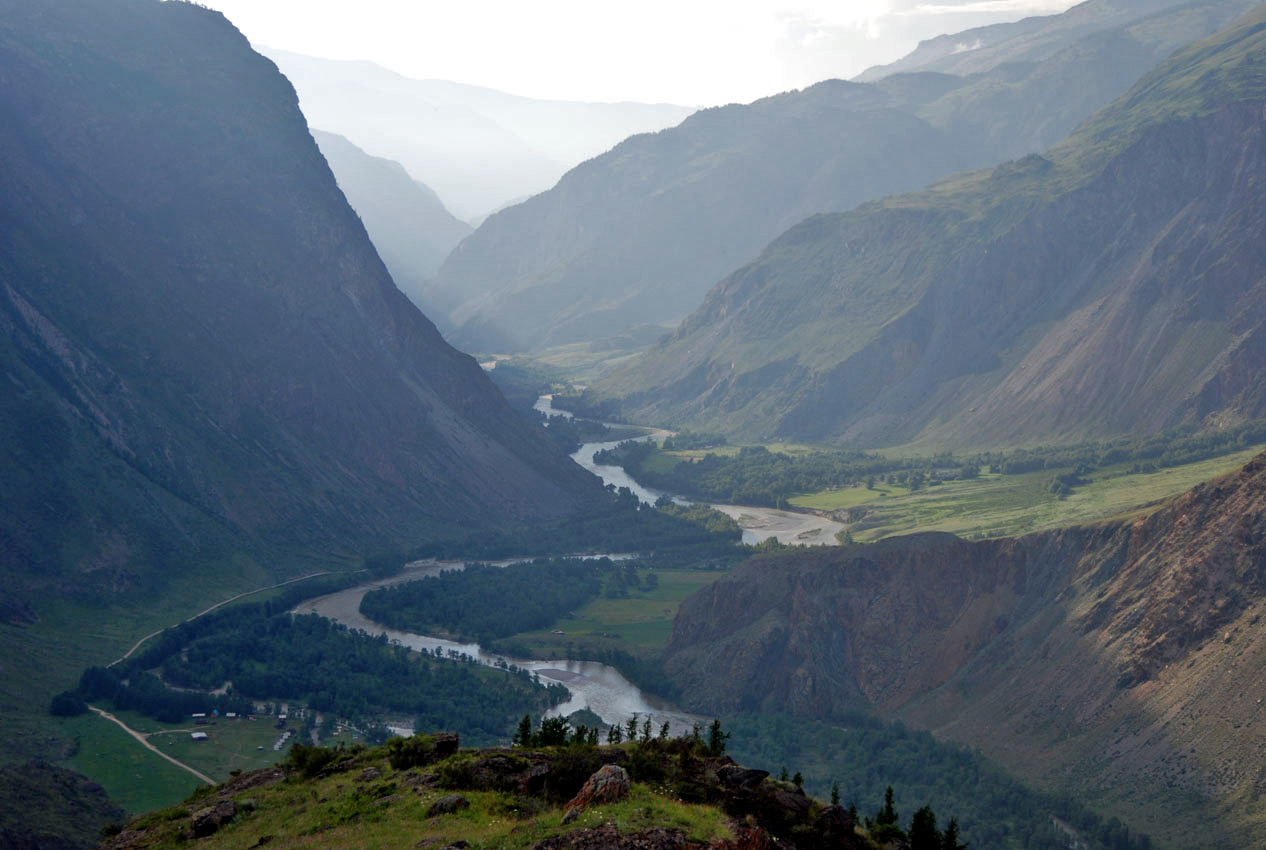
[(201, 350), (1123, 659), (1113, 285)]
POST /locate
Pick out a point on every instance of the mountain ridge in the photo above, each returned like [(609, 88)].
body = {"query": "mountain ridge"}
[(954, 316), (638, 235)]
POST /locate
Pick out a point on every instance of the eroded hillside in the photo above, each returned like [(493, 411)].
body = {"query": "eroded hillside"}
[(1124, 660)]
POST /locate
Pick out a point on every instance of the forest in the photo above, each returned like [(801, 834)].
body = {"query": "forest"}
[(863, 755), (483, 603), (331, 669)]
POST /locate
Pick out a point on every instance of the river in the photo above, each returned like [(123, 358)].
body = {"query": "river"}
[(758, 524), (596, 686)]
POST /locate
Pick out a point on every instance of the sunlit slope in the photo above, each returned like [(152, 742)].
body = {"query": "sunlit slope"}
[(1113, 285)]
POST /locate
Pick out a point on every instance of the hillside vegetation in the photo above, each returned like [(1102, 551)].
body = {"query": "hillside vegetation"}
[(960, 317), (637, 236), (1120, 662)]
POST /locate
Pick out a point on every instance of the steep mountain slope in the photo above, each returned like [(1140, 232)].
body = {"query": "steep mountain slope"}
[(1122, 661), (1030, 39), (478, 148), (408, 224), (639, 234), (202, 351), (1114, 285)]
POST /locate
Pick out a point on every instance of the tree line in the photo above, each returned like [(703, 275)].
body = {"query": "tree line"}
[(860, 756)]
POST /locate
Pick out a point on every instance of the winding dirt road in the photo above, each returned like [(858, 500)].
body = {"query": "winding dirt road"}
[(144, 739), (137, 645)]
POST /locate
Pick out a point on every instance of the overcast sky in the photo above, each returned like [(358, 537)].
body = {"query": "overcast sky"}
[(691, 52)]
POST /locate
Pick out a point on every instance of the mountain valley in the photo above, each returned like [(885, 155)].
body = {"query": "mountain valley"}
[(637, 236), (956, 316)]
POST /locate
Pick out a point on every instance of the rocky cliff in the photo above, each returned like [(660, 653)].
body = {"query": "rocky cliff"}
[(1124, 660), (202, 353), (1111, 286)]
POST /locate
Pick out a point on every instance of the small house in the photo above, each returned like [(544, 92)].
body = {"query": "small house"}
[(199, 736)]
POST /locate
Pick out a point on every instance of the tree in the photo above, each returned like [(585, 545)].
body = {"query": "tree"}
[(797, 780), (663, 731), (630, 728), (835, 793), (949, 839), (888, 814), (615, 735), (717, 739), (646, 730), (523, 735), (923, 833)]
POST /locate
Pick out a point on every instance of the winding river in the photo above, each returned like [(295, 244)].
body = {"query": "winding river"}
[(595, 686), (758, 524)]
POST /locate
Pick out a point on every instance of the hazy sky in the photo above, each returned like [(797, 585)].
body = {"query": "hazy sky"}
[(692, 52)]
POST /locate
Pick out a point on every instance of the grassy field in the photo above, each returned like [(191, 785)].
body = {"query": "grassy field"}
[(1003, 505), (846, 497), (640, 624), (134, 777), (47, 657), (230, 745)]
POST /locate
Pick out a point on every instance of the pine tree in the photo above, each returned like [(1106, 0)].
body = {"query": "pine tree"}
[(923, 833), (523, 735), (797, 780), (646, 730), (717, 739), (663, 731), (630, 727), (835, 793), (888, 814), (949, 839), (615, 734)]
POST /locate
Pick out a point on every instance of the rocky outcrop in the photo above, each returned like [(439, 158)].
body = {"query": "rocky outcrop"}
[(208, 821), (609, 785), (1126, 654), (447, 804)]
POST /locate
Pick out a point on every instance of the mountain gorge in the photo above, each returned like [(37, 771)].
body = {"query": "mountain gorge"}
[(408, 224), (478, 148), (202, 351), (1122, 660), (960, 315), (638, 235)]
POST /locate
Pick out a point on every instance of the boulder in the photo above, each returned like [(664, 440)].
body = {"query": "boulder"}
[(741, 777), (206, 821), (609, 784), (445, 744), (447, 805)]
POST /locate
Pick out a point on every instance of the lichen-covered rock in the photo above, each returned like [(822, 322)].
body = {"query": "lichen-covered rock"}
[(608, 785), (447, 805), (207, 821)]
